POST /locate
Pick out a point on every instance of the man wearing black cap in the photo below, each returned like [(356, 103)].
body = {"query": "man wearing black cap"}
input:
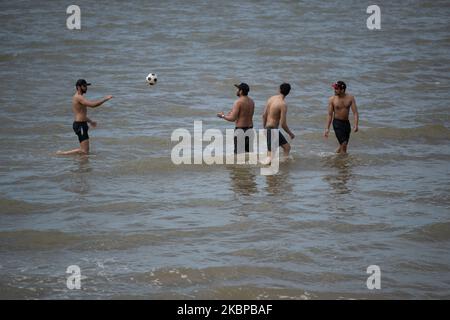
[(242, 115), (339, 107), (80, 125)]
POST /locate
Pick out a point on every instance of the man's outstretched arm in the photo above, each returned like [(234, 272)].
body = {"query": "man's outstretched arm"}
[(93, 103)]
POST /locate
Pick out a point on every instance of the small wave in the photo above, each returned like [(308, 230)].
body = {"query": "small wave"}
[(325, 154), (8, 57), (138, 140), (343, 227), (53, 239), (273, 255), (429, 132), (185, 277), (434, 232), (10, 206)]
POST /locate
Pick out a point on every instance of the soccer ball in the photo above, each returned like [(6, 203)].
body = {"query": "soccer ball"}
[(151, 78)]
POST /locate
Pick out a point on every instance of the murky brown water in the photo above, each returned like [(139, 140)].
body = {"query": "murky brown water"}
[(140, 227)]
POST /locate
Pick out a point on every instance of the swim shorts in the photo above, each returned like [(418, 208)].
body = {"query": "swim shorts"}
[(81, 130), (342, 130), (281, 139), (247, 139)]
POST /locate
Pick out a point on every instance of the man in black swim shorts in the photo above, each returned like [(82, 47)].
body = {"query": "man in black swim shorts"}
[(275, 114), (81, 130), (80, 125), (339, 107), (242, 115), (281, 139)]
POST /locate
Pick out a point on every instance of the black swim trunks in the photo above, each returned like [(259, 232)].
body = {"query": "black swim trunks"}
[(342, 130), (81, 130), (281, 139), (247, 139)]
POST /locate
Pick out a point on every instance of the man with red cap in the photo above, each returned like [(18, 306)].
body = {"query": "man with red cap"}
[(339, 107)]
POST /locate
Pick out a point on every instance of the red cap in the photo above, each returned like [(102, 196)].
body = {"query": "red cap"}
[(339, 85)]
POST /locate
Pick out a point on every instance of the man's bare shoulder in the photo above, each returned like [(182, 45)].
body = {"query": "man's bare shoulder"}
[(76, 97), (334, 101), (238, 103), (269, 101), (276, 100), (349, 99)]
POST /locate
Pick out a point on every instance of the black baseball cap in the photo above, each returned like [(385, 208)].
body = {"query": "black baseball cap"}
[(82, 82), (243, 86)]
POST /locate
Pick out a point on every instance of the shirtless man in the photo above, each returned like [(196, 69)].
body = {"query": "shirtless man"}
[(80, 125), (274, 114), (339, 107), (242, 115)]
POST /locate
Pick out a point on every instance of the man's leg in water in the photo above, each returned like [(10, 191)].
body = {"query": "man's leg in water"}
[(82, 150), (268, 160), (342, 148), (84, 146), (286, 149)]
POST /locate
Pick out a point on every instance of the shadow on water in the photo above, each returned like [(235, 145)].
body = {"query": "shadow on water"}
[(243, 180), (278, 184), (341, 173), (80, 173)]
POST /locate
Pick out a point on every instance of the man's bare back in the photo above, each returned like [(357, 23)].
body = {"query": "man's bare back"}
[(275, 114), (242, 115), (275, 105), (245, 109)]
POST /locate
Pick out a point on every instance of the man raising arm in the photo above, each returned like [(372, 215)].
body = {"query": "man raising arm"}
[(242, 114), (80, 125)]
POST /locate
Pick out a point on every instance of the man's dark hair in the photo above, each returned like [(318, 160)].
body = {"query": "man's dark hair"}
[(285, 88), (341, 85)]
